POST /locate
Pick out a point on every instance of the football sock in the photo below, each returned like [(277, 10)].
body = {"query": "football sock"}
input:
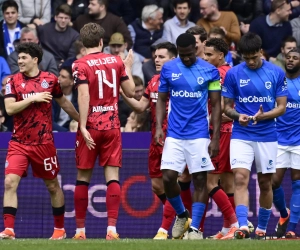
[(162, 198), (9, 215), (113, 199), (198, 210), (81, 202), (294, 206), (279, 202), (59, 216), (263, 218), (178, 206), (186, 195), (242, 214), (168, 216), (231, 199)]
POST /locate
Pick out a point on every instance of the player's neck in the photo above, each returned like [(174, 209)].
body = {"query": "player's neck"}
[(221, 63), (32, 73), (293, 75), (11, 26), (93, 50)]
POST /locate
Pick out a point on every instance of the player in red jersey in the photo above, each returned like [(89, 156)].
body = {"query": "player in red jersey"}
[(28, 97), (164, 52), (215, 51), (99, 77)]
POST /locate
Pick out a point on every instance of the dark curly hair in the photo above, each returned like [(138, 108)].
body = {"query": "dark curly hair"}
[(218, 44), (33, 49)]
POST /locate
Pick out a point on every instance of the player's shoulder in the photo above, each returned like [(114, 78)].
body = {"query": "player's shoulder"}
[(205, 66), (153, 81), (171, 63), (237, 68)]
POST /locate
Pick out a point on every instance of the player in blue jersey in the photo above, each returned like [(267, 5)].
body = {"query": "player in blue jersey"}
[(288, 154), (258, 90), (190, 81)]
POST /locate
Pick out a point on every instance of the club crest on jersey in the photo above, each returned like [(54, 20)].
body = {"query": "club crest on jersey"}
[(45, 84), (200, 80), (268, 85), (23, 85), (7, 89)]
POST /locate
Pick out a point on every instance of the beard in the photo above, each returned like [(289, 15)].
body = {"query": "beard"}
[(292, 70)]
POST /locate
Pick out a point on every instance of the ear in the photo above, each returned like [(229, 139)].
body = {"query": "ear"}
[(101, 42)]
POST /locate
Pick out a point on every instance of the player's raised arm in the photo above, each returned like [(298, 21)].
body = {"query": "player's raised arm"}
[(128, 86), (138, 106)]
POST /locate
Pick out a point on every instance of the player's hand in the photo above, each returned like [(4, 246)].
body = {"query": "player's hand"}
[(129, 59), (258, 115), (88, 139), (244, 120), (213, 148), (42, 97), (159, 137)]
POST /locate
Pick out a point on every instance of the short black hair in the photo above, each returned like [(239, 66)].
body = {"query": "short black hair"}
[(33, 49), (218, 44), (172, 50), (175, 2), (185, 39), (68, 69), (9, 3), (197, 30), (249, 43), (289, 39)]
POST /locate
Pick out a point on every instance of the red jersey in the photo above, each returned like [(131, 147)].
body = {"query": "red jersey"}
[(225, 126), (151, 93), (103, 73), (33, 125)]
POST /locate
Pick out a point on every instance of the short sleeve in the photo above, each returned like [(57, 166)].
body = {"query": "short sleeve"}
[(147, 92), (10, 90), (228, 89), (164, 83), (79, 74), (215, 75), (281, 85), (123, 74), (56, 91)]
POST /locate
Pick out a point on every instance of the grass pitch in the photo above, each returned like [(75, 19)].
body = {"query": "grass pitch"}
[(143, 244)]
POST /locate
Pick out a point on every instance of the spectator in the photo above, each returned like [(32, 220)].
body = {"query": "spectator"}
[(288, 44), (37, 12), (146, 31), (139, 87), (148, 68), (61, 120), (118, 46), (273, 28), (48, 62), (11, 27), (1, 14), (295, 23), (200, 35), (123, 9), (217, 32), (4, 72), (246, 10), (73, 127), (78, 7), (79, 51), (179, 23), (226, 20), (110, 23), (295, 8), (58, 37), (137, 122), (2, 119)]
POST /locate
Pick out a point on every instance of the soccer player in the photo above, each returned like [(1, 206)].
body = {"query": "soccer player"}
[(28, 97), (288, 155), (258, 90), (99, 77), (215, 51), (164, 52), (189, 81)]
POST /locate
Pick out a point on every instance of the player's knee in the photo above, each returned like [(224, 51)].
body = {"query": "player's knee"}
[(185, 177), (169, 177), (240, 180), (53, 187), (10, 183), (200, 181)]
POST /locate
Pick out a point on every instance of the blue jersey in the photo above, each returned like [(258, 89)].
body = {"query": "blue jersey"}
[(188, 116), (249, 89), (288, 124)]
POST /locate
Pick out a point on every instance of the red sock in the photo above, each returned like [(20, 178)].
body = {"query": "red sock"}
[(9, 220), (231, 199), (81, 202), (162, 198), (201, 228), (59, 216), (222, 201), (168, 216), (187, 200), (113, 199)]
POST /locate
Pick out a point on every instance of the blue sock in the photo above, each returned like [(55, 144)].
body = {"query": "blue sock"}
[(197, 213), (279, 202), (263, 218), (242, 214), (177, 204), (295, 206)]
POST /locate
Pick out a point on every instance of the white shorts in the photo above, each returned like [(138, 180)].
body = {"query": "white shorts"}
[(178, 153), (288, 157), (243, 153)]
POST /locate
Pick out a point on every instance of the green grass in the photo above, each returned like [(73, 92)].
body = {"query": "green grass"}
[(137, 244)]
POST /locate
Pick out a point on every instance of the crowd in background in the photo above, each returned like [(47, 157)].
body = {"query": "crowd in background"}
[(139, 25)]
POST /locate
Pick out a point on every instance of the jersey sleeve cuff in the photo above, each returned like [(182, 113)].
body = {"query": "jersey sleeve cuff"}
[(58, 96), (124, 78), (10, 95), (146, 95)]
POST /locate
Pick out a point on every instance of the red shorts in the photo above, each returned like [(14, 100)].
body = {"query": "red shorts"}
[(222, 160), (108, 148), (43, 160), (154, 161)]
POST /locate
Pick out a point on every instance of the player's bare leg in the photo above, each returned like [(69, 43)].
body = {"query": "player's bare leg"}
[(184, 181), (81, 201), (113, 199), (10, 204), (58, 208), (168, 211)]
